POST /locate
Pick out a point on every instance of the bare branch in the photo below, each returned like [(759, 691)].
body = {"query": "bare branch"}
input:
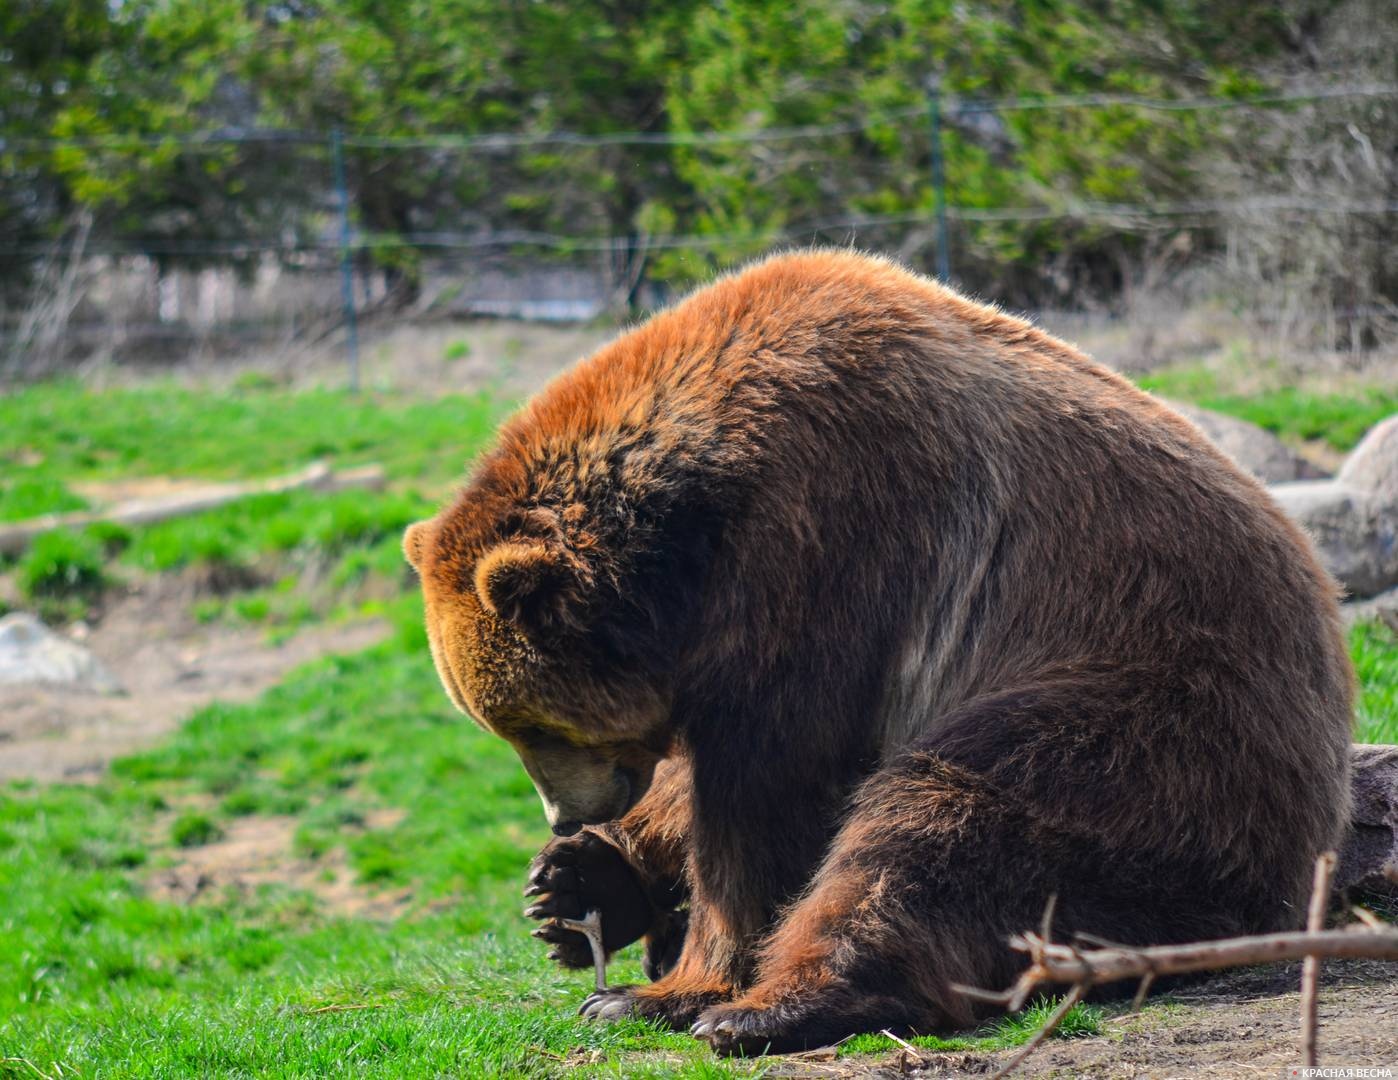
[(1310, 967), (1073, 997), (590, 926)]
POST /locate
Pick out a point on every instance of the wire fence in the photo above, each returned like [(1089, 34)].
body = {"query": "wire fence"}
[(338, 238)]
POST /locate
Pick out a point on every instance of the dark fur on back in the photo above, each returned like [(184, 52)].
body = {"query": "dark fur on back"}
[(928, 616)]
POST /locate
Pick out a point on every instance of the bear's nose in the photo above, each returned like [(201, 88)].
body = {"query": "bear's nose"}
[(566, 828)]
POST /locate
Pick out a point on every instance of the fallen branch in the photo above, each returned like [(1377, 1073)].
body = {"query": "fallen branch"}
[(1369, 855), (15, 537), (1066, 964), (1106, 962)]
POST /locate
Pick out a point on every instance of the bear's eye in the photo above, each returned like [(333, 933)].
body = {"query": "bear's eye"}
[(541, 739)]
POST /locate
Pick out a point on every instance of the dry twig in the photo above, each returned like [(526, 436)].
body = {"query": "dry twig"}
[(1310, 966), (28, 1065), (1107, 962), (345, 1008), (911, 1058), (1072, 998), (590, 926)]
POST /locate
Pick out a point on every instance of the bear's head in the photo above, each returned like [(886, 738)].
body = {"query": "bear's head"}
[(534, 636)]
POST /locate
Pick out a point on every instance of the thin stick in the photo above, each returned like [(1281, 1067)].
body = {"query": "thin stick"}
[(345, 1008), (1310, 966), (1046, 923), (907, 1046), (1368, 918), (590, 926), (27, 1064), (1074, 996), (1050, 963), (1142, 991)]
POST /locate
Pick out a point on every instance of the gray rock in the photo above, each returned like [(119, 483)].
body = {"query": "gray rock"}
[(1353, 519), (32, 653), (1382, 608), (1259, 452)]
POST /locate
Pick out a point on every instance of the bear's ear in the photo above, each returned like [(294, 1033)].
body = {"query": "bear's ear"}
[(527, 584), (413, 538)]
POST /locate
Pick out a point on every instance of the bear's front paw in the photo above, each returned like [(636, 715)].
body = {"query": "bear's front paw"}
[(614, 1003), (577, 874)]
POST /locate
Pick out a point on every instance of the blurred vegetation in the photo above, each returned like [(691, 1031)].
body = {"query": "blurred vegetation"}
[(1338, 418), (278, 560), (164, 69), (60, 573), (1374, 648)]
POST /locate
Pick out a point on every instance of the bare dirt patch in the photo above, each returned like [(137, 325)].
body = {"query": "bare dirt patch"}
[(1240, 1024), (257, 851), (168, 663)]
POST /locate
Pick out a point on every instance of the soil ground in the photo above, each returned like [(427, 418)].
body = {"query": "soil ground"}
[(169, 665), (258, 851), (1239, 1024)]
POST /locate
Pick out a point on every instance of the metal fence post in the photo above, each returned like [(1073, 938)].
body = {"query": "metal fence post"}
[(337, 153), (939, 179)]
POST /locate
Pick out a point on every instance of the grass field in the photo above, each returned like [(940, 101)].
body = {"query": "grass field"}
[(383, 789)]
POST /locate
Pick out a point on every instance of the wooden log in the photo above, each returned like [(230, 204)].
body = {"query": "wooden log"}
[(15, 537), (1369, 855)]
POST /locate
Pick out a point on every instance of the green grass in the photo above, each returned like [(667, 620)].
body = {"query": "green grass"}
[(1006, 1032), (372, 773), (104, 979), (1374, 648), (60, 573), (26, 496), (60, 563), (55, 434), (66, 432), (111, 982), (194, 829), (1338, 418)]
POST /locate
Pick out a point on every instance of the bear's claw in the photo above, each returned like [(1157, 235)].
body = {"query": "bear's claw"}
[(613, 1003)]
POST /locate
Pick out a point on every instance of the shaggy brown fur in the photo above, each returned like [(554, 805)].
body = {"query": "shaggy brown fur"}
[(861, 618)]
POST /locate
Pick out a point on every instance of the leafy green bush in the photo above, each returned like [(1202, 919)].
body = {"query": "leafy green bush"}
[(61, 564), (457, 350), (194, 829), (114, 538)]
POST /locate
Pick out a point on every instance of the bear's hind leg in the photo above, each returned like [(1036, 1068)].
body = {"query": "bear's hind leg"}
[(931, 874)]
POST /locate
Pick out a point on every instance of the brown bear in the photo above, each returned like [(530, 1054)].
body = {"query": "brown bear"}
[(852, 620)]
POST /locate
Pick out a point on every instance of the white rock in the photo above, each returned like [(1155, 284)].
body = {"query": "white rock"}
[(32, 653), (1353, 519), (1373, 465)]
